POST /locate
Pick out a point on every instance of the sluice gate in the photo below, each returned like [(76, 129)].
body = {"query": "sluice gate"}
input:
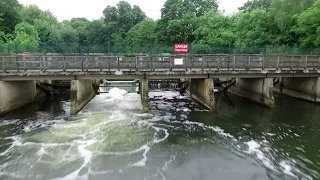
[(129, 86)]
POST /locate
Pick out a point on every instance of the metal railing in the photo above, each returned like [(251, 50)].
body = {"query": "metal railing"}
[(156, 63)]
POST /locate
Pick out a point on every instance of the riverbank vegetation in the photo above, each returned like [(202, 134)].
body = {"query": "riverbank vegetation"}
[(260, 26)]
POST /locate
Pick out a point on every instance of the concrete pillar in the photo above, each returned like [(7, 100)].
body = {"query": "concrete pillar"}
[(144, 93), (14, 94), (301, 88), (81, 92), (259, 90), (202, 90)]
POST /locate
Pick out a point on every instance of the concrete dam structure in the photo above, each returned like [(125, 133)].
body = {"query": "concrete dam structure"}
[(299, 76)]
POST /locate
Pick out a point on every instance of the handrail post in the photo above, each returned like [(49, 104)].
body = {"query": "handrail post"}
[(45, 64), (17, 63), (109, 66), (319, 64), (234, 63), (190, 66), (248, 63), (152, 62), (136, 63), (64, 63), (229, 61), (264, 59), (118, 58), (86, 63), (41, 63), (100, 62), (82, 68), (24, 63), (186, 62), (202, 63), (278, 63), (4, 64), (170, 63), (306, 63), (218, 62), (291, 62)]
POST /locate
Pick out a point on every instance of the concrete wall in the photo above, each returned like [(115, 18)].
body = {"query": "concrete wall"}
[(14, 94), (202, 90), (81, 92), (259, 90), (144, 93), (301, 88)]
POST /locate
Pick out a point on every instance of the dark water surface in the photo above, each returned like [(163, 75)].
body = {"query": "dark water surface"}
[(179, 139)]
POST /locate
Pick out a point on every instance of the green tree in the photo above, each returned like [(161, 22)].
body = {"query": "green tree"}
[(251, 5), (285, 10), (118, 21), (215, 29), (97, 36), (125, 28), (182, 30), (30, 13), (80, 27), (308, 26), (125, 15), (49, 29), (255, 28), (141, 37), (9, 15), (2, 42), (26, 38), (174, 9), (178, 19), (69, 39), (284, 13), (138, 15)]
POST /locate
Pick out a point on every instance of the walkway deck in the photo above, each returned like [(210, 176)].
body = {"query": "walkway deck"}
[(156, 67)]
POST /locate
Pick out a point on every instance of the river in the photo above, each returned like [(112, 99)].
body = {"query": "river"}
[(110, 139)]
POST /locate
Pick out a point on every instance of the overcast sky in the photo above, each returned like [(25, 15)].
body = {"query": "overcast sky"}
[(92, 9)]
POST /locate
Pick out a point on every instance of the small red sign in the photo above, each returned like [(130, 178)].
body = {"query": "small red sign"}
[(181, 48)]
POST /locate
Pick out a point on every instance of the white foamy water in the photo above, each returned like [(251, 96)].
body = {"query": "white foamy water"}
[(111, 139), (254, 148), (110, 126)]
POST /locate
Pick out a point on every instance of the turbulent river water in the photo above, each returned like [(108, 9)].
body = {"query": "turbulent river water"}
[(111, 139)]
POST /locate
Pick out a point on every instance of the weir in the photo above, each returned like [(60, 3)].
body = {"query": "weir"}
[(81, 92), (305, 88), (259, 90), (202, 90), (144, 92), (129, 86), (254, 76), (15, 94)]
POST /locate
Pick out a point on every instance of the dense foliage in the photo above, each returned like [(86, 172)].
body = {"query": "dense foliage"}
[(260, 26)]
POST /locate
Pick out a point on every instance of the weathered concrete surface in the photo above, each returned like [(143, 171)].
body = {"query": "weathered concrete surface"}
[(202, 90), (259, 90), (16, 94), (81, 92), (144, 93), (215, 66), (301, 88)]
